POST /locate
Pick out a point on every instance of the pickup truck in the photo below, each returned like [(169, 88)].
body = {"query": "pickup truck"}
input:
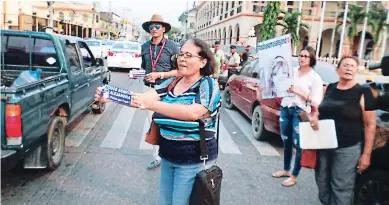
[(34, 114)]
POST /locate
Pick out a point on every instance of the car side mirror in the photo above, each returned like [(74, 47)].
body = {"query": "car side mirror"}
[(99, 62), (384, 65)]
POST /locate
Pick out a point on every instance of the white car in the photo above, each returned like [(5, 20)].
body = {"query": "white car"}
[(97, 48), (125, 55)]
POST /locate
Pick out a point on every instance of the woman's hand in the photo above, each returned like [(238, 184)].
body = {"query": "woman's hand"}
[(151, 77), (363, 163), (99, 97), (144, 101), (314, 120), (294, 89)]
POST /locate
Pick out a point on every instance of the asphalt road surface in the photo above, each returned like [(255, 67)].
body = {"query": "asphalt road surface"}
[(106, 159)]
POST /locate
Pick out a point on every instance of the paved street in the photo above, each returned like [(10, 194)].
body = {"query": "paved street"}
[(106, 159)]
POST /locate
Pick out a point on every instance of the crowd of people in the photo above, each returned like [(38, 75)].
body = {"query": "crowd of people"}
[(195, 96)]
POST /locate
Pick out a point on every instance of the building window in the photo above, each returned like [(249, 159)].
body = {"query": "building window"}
[(239, 9), (232, 12), (192, 25), (290, 10), (221, 17), (233, 5), (61, 16), (97, 18), (290, 3), (240, 2), (226, 15), (226, 5)]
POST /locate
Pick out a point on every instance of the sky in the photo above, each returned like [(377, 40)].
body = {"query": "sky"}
[(141, 11)]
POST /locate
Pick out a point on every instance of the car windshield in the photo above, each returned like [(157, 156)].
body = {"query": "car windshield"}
[(93, 43), (126, 46)]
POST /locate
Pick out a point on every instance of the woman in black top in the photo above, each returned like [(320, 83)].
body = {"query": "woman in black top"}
[(344, 102)]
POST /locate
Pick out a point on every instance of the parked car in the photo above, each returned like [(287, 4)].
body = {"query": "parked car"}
[(97, 48), (45, 85), (125, 55), (243, 93), (107, 44)]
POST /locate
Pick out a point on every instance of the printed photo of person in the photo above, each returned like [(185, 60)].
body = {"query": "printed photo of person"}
[(278, 78)]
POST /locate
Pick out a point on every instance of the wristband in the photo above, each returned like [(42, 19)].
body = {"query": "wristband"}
[(162, 75)]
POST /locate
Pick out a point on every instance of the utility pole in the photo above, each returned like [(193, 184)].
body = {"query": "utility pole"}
[(50, 26), (333, 34), (298, 26), (362, 39), (94, 19), (323, 8), (186, 21), (343, 30)]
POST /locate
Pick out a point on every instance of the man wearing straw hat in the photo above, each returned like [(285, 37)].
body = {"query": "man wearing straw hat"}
[(157, 62)]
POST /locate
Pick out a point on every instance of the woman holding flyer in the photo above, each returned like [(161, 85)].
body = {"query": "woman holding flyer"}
[(306, 95), (194, 96), (355, 124)]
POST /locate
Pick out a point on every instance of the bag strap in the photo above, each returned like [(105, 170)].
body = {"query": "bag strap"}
[(173, 83), (203, 145)]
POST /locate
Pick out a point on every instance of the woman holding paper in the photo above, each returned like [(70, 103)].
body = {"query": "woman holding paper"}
[(194, 96), (344, 102), (306, 95)]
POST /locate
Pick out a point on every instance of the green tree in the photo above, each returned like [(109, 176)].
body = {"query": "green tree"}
[(172, 31), (289, 24), (377, 21), (355, 17), (268, 27)]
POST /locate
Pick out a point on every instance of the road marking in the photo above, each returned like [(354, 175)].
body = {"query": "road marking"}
[(263, 148), (119, 129), (143, 144), (78, 134), (227, 145)]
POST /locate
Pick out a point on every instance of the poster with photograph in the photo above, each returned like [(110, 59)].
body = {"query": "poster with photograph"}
[(275, 58)]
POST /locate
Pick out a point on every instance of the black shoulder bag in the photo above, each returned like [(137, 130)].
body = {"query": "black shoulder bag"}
[(207, 186)]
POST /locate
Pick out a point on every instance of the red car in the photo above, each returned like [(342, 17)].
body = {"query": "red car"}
[(242, 92)]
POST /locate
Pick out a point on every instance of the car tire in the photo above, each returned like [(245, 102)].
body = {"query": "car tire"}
[(227, 102), (101, 108), (257, 125), (372, 187), (55, 145)]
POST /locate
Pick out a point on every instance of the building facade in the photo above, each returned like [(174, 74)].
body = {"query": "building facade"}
[(238, 22), (188, 24)]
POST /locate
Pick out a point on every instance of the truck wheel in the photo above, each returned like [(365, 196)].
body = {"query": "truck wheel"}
[(100, 108), (372, 188), (257, 125), (227, 98), (55, 142)]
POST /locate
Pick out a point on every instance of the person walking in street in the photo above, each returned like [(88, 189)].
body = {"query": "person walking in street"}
[(193, 96), (344, 102), (219, 59), (306, 95), (157, 62)]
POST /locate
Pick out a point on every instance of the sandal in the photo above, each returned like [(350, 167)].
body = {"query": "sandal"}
[(154, 164), (280, 174), (289, 182)]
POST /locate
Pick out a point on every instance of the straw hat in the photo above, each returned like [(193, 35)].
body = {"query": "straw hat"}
[(156, 18)]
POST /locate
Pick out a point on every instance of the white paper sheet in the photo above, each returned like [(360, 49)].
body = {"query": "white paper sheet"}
[(324, 138)]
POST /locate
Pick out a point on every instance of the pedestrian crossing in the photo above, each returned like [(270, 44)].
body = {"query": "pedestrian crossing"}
[(121, 125)]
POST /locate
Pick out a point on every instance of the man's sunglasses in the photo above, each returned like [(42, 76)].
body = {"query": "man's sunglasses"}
[(151, 27)]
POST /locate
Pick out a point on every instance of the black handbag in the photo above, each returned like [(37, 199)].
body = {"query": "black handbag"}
[(207, 186)]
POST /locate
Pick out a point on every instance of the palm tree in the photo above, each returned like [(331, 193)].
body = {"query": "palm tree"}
[(268, 27), (355, 17), (289, 24)]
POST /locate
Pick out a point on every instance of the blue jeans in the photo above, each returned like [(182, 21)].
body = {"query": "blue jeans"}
[(289, 125), (177, 182)]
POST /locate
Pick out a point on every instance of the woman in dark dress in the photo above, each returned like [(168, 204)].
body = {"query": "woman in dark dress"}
[(344, 102)]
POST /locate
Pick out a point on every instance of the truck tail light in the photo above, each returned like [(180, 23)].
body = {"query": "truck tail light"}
[(137, 55), (13, 124), (110, 53), (225, 67)]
